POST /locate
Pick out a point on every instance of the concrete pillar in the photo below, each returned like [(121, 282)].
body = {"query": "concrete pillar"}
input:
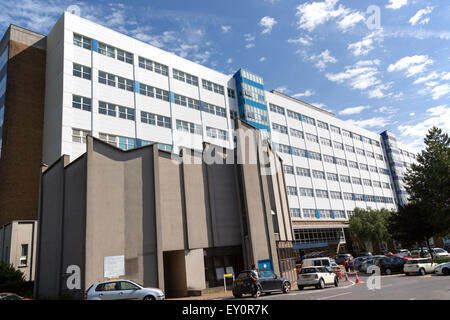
[(195, 269)]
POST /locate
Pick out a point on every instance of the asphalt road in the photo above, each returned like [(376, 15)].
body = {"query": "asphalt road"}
[(394, 287)]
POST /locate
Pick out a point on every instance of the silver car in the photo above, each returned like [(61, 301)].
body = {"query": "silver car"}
[(122, 290)]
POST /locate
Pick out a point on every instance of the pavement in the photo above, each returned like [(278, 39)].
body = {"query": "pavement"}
[(392, 287)]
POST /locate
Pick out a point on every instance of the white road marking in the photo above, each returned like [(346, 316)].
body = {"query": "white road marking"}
[(336, 295)]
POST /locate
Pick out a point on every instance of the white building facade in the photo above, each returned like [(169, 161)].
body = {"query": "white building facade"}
[(130, 94)]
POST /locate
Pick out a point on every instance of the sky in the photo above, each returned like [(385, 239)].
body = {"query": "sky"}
[(379, 64)]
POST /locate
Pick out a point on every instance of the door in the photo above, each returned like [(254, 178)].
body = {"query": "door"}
[(129, 291), (265, 280), (109, 291)]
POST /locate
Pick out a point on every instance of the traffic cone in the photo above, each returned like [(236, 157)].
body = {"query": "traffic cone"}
[(346, 277), (357, 279), (340, 274)]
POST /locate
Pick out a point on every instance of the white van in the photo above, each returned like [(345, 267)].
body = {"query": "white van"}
[(326, 262)]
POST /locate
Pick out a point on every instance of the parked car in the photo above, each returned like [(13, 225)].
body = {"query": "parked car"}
[(440, 253), (422, 266), (388, 265), (11, 296), (122, 290), (318, 277), (359, 261), (342, 256), (326, 262), (363, 254), (443, 268), (267, 282), (420, 253), (368, 262), (402, 253)]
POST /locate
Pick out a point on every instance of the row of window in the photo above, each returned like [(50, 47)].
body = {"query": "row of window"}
[(320, 193), (104, 49), (334, 177), (321, 124), (124, 143), (324, 141)]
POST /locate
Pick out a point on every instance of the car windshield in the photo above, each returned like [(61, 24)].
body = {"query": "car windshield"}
[(308, 270), (439, 250)]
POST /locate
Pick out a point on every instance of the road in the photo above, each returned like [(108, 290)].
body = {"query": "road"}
[(394, 287)]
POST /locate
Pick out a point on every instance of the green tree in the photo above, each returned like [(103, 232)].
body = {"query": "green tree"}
[(428, 185), (8, 274), (368, 225)]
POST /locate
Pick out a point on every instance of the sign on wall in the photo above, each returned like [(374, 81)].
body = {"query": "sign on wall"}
[(114, 266)]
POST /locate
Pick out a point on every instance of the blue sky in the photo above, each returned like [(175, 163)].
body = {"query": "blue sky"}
[(381, 64)]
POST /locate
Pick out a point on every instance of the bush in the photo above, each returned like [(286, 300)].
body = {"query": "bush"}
[(13, 281), (441, 260)]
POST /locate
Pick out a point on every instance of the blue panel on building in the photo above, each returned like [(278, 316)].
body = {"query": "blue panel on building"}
[(318, 213), (266, 264), (332, 214), (297, 246), (172, 97), (94, 45), (137, 86)]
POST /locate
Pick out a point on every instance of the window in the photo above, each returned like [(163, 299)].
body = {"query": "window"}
[(107, 108), (359, 197), (376, 184), (160, 68), (318, 174), (373, 169), (335, 129), (125, 84), (189, 127), (124, 285), (348, 196), (350, 213), (327, 158), (325, 141), (106, 50), (360, 152), (352, 164), (24, 255), (280, 128), (145, 64), (297, 133), (107, 78), (367, 182), (299, 152), (339, 214), (321, 193), (185, 77), (79, 135), (282, 148), (306, 192), (322, 125), (216, 133), (315, 155), (291, 191), (338, 145), (154, 92), (181, 100), (126, 113), (108, 138), (386, 185), (346, 133), (341, 162), (275, 108), (294, 115), (332, 176), (379, 157), (126, 143), (81, 71), (81, 103), (345, 179), (295, 213), (363, 166), (231, 93), (309, 213), (349, 148), (303, 172), (210, 108), (82, 41), (208, 85), (309, 120), (335, 195), (370, 154), (288, 169), (125, 56), (356, 180)]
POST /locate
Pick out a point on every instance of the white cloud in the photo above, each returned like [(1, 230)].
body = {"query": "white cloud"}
[(426, 78), (445, 76), (316, 13), (387, 110), (282, 89), (229, 60), (267, 23), (396, 4), (321, 106), (366, 45), (438, 116), (307, 93), (412, 114), (439, 91), (306, 40), (249, 38), (323, 59), (353, 110), (377, 122), (262, 59), (413, 64), (419, 16), (225, 29), (249, 45)]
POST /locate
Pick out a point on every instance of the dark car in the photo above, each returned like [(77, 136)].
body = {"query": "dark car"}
[(343, 256), (359, 261), (267, 282), (11, 296), (363, 254), (389, 265)]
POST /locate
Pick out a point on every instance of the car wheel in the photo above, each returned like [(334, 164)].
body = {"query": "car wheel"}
[(286, 287), (388, 271), (258, 292), (336, 282), (300, 287), (422, 272), (446, 271), (321, 284), (406, 273), (149, 298)]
